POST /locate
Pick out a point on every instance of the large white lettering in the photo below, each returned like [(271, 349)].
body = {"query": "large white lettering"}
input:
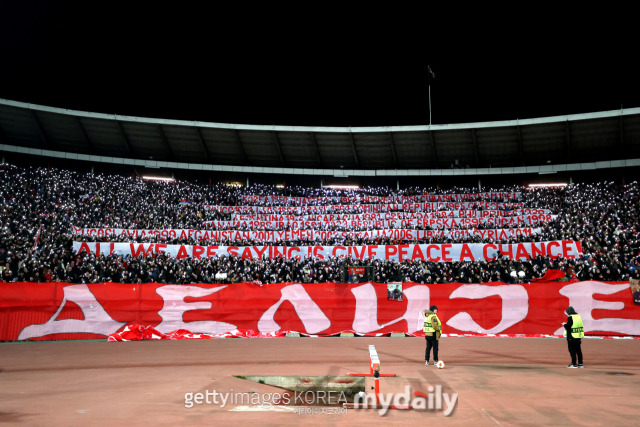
[(366, 316), (312, 317), (175, 306), (581, 298), (515, 306), (96, 319)]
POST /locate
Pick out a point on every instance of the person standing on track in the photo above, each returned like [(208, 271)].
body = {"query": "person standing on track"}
[(432, 331), (574, 332)]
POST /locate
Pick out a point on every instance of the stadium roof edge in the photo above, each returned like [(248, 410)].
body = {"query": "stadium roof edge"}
[(542, 169), (280, 128)]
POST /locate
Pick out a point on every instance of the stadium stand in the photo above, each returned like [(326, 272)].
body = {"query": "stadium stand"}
[(48, 213)]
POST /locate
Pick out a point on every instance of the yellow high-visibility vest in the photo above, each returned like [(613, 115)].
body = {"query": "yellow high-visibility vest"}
[(428, 326), (577, 330)]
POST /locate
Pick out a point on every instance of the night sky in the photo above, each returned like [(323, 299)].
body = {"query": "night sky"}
[(325, 67)]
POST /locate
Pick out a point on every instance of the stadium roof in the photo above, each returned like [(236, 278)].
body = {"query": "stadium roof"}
[(583, 138)]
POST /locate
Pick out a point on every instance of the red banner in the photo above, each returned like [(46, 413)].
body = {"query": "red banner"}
[(47, 311), (356, 270)]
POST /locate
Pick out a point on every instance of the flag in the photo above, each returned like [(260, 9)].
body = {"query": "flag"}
[(550, 275), (431, 72), (35, 244)]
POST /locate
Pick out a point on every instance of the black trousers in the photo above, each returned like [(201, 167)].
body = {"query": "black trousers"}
[(431, 343), (575, 350)]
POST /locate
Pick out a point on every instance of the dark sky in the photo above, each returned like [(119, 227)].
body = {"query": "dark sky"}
[(326, 67)]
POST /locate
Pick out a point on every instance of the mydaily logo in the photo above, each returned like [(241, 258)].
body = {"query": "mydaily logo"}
[(434, 400)]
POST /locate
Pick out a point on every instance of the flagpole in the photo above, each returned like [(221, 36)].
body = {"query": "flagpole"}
[(429, 102), (430, 76)]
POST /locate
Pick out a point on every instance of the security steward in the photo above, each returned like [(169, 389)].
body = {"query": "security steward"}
[(432, 331), (574, 332)]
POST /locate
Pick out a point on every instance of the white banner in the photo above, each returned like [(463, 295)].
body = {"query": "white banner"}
[(405, 252), (504, 196), (406, 207), (433, 223), (389, 215), (310, 235)]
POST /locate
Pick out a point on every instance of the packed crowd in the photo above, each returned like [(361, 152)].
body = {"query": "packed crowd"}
[(39, 207)]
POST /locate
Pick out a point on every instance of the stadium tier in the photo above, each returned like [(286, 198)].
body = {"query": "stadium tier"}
[(77, 227)]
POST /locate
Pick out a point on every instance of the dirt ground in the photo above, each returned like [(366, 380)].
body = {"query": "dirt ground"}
[(498, 381)]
